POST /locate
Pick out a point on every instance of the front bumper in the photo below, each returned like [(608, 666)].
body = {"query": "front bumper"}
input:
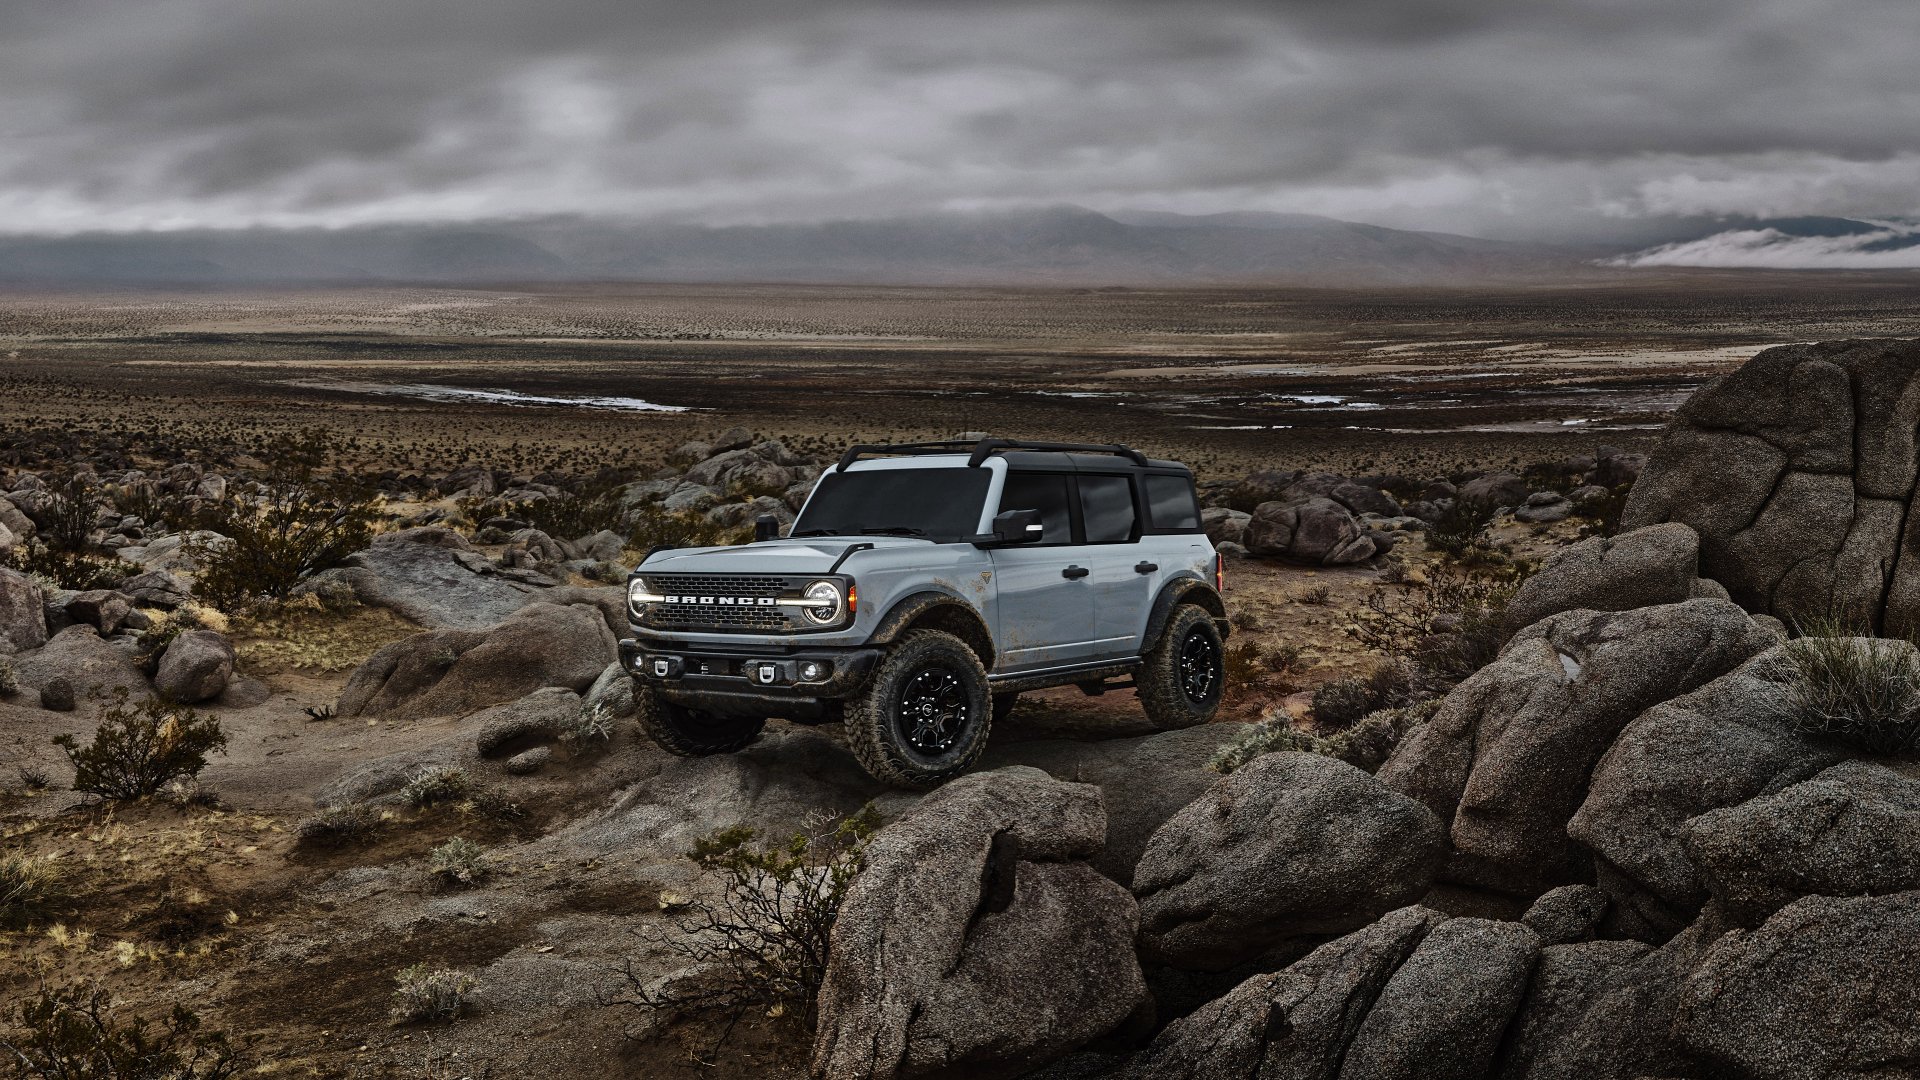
[(707, 673)]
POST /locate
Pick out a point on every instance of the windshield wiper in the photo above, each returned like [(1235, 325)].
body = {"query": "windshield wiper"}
[(889, 530), (818, 532)]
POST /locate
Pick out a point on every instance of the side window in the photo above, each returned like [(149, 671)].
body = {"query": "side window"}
[(1045, 492), (1170, 503), (1106, 508)]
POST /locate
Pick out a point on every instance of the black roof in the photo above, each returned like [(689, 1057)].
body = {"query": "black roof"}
[(1022, 453)]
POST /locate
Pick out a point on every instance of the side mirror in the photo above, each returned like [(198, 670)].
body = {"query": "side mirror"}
[(1018, 526), (766, 527)]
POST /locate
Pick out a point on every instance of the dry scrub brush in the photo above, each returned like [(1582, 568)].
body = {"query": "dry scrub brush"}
[(73, 1033), (1449, 625), (1861, 691), (763, 943), (139, 749), (307, 520)]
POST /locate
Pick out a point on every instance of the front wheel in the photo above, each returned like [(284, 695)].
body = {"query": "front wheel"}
[(690, 732), (924, 715), (1181, 678)]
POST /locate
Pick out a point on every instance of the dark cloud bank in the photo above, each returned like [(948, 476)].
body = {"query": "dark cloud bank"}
[(1645, 130)]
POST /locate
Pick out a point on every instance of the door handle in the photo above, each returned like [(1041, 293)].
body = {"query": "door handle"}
[(1075, 572), (1145, 567)]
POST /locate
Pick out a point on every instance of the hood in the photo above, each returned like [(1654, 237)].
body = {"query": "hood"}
[(811, 556)]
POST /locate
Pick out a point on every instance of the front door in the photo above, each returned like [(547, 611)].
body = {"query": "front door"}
[(1044, 600)]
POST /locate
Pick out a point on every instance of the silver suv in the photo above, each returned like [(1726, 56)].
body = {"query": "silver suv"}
[(922, 588)]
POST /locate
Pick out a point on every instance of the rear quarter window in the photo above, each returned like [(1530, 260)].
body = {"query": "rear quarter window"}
[(1171, 503)]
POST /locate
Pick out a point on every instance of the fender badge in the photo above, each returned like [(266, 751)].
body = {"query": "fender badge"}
[(986, 575)]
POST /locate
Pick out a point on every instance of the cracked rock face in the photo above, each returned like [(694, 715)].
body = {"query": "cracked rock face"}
[(1296, 1022), (1506, 760), (1799, 472), (978, 942)]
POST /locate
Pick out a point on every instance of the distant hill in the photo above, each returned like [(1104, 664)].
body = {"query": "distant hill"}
[(1056, 245)]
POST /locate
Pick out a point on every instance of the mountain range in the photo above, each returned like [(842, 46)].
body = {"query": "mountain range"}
[(1054, 245), (1061, 245)]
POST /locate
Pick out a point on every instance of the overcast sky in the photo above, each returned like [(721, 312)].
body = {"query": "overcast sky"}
[(1530, 118)]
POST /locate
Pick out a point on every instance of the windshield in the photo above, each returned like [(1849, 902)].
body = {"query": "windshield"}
[(940, 504)]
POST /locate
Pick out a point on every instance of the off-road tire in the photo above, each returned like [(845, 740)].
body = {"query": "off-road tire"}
[(1167, 676), (928, 664), (689, 732), (1003, 705)]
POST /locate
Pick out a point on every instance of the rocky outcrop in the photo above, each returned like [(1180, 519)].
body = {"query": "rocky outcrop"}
[(1505, 761), (1441, 1015), (1852, 830), (432, 577), (1798, 471), (1290, 845), (196, 667), (91, 666), (453, 672), (1823, 989), (1295, 1022), (1316, 530), (23, 613), (1568, 914), (1719, 746), (1143, 781), (1495, 489), (1225, 526), (978, 942), (1643, 568)]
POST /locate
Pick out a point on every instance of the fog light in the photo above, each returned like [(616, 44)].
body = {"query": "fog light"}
[(811, 672)]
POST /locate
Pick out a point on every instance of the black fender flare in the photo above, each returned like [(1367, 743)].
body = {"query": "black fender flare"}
[(947, 611), (1183, 590)]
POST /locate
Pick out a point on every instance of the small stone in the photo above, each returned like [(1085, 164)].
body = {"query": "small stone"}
[(529, 761), (57, 695)]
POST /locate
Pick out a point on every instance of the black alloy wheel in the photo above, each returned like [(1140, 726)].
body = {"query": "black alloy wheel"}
[(933, 710), (1200, 667)]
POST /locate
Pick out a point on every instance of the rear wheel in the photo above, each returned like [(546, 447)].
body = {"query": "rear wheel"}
[(1182, 677), (925, 714), (690, 732)]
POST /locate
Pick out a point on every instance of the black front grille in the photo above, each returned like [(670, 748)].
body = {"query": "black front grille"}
[(716, 614)]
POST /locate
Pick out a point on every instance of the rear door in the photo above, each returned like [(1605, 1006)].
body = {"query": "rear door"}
[(1122, 577), (1044, 610)]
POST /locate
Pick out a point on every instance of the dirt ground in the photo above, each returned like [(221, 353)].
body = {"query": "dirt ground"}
[(1416, 380)]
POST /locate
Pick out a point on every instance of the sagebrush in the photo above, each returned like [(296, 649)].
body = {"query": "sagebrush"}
[(1448, 625), (459, 861), (307, 519), (766, 937), (423, 993), (139, 748)]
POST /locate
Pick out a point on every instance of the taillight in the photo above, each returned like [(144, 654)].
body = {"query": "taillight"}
[(1219, 572)]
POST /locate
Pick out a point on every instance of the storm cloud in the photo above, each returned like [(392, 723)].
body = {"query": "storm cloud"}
[(1552, 119)]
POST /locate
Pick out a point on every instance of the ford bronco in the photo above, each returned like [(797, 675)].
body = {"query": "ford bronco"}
[(921, 589)]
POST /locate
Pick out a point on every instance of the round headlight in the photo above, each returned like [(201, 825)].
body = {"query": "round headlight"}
[(824, 603), (639, 595)]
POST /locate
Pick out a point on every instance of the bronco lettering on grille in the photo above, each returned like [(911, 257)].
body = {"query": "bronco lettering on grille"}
[(721, 601)]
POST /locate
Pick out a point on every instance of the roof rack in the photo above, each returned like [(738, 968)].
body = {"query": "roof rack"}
[(982, 449)]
